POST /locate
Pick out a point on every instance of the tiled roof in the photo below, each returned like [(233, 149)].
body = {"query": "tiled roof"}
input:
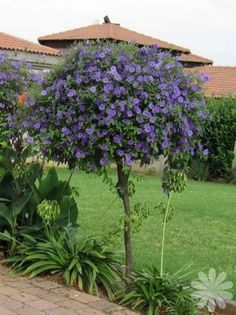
[(109, 31), (222, 81), (10, 42), (194, 58)]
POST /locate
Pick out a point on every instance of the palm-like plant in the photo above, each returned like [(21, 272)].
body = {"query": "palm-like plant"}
[(83, 261), (150, 293)]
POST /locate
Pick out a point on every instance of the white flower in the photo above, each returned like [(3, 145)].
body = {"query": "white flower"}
[(211, 290)]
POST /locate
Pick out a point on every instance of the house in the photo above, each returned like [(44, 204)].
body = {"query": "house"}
[(115, 32), (40, 57)]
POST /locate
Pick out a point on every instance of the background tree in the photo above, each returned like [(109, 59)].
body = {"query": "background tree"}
[(117, 103)]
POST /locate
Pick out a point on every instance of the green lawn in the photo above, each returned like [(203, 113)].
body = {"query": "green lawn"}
[(202, 231)]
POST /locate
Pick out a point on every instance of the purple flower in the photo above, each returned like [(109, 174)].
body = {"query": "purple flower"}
[(118, 139), (205, 152), (44, 92), (105, 80), (112, 112), (147, 128), (89, 131), (101, 106), (37, 126), (128, 159), (201, 114), (165, 144), (135, 101), (129, 113), (104, 161), (59, 115), (93, 89), (130, 78), (30, 139), (65, 131), (71, 93), (120, 152), (102, 55), (78, 79), (189, 132), (2, 105), (80, 154), (204, 77), (108, 88)]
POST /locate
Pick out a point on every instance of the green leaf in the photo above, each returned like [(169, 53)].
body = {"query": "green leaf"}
[(20, 204), (6, 213)]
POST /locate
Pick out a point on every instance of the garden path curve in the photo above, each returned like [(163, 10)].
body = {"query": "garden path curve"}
[(24, 296)]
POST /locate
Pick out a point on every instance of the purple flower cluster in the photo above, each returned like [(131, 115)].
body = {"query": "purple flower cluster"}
[(15, 80), (119, 101)]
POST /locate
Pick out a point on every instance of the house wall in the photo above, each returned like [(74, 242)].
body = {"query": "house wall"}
[(39, 62)]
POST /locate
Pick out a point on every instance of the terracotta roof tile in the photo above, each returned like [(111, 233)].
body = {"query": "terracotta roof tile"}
[(194, 58), (10, 42), (108, 31), (222, 81)]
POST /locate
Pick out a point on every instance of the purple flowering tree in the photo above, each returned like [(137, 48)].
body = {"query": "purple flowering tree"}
[(117, 103)]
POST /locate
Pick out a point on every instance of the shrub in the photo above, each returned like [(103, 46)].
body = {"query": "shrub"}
[(83, 261), (150, 293), (219, 136)]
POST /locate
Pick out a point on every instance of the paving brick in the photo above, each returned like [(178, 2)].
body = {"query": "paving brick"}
[(105, 306), (5, 311), (24, 297), (72, 305), (83, 297), (47, 285), (50, 296), (27, 310), (60, 311), (41, 305), (12, 305), (9, 291)]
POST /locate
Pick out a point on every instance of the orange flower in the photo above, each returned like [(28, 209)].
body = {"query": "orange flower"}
[(21, 98)]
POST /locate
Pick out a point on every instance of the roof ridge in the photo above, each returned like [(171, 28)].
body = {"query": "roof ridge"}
[(154, 38), (44, 37), (46, 49)]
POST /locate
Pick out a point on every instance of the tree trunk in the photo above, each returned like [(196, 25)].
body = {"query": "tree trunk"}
[(123, 191)]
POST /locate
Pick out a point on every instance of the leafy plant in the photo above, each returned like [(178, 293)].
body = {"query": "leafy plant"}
[(199, 170), (83, 261), (154, 294), (24, 186)]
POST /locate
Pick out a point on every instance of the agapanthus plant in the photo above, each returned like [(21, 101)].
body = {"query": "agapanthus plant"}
[(117, 103)]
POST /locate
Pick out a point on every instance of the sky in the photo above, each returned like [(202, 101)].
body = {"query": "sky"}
[(206, 27)]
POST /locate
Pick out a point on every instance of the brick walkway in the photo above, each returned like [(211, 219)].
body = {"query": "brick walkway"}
[(23, 296)]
